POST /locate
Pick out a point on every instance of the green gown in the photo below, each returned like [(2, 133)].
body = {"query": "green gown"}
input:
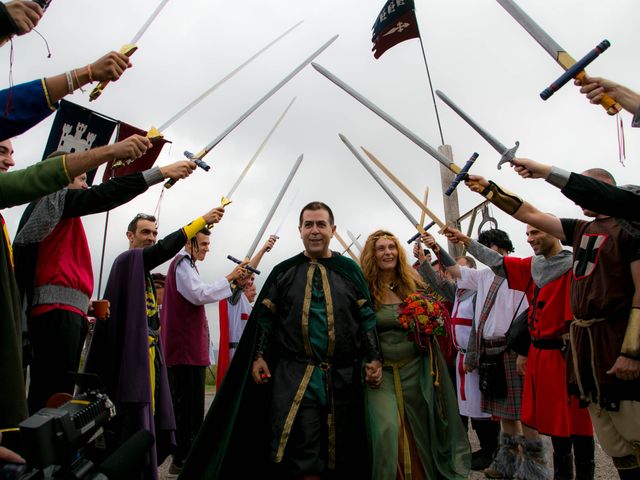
[(435, 433)]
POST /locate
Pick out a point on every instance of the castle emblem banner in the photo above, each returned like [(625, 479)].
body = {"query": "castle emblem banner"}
[(78, 129)]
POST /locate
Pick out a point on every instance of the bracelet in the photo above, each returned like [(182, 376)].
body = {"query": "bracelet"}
[(70, 88), (75, 72), (90, 73)]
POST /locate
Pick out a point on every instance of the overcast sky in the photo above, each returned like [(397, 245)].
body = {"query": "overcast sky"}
[(477, 54)]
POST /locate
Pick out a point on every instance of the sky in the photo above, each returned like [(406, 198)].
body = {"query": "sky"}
[(477, 54)]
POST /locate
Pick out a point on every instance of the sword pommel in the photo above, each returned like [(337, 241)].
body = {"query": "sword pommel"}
[(248, 267), (462, 174), (509, 155), (417, 235), (577, 71)]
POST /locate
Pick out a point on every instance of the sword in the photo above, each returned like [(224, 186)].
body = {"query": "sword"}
[(226, 200), (285, 214), (186, 109), (508, 154), (390, 120), (573, 69), (417, 235), (128, 49), (200, 155), (354, 241), (403, 187), (387, 190), (268, 218), (347, 248), (426, 198)]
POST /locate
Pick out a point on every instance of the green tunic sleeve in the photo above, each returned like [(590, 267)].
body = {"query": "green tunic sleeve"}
[(31, 183)]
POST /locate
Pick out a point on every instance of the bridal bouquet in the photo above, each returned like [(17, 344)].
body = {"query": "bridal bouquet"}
[(422, 317)]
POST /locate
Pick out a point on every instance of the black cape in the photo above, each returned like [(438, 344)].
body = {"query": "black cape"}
[(234, 439)]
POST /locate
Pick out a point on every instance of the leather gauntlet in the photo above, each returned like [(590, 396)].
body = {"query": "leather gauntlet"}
[(501, 198)]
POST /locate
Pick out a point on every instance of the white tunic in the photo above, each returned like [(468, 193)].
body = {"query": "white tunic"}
[(238, 316), (467, 389), (504, 308)]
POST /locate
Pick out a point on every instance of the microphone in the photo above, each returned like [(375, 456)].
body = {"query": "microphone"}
[(130, 457)]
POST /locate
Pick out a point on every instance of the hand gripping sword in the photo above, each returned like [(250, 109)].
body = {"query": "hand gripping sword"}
[(128, 49), (383, 185), (200, 155), (268, 218), (395, 124), (572, 68), (508, 154)]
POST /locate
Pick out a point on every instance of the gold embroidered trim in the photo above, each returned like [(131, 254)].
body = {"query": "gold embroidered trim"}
[(286, 431), (361, 302), (306, 306), (331, 330), (269, 304)]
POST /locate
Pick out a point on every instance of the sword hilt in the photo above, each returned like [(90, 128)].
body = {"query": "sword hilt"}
[(417, 235), (248, 267), (509, 155), (127, 50), (577, 71), (462, 174), (199, 163)]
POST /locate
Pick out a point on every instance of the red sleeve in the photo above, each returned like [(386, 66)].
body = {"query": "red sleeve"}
[(519, 274)]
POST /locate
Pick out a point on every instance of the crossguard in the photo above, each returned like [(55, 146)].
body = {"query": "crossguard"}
[(509, 155), (127, 50), (248, 267), (195, 159), (577, 71), (461, 175), (415, 237)]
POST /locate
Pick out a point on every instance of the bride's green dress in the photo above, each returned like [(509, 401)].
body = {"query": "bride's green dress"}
[(414, 426)]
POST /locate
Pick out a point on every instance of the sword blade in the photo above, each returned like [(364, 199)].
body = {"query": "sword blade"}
[(253, 108), (260, 148), (558, 53), (354, 241), (494, 142), (149, 21), (286, 212), (403, 187), (205, 94), (390, 120), (347, 248), (274, 207), (384, 186)]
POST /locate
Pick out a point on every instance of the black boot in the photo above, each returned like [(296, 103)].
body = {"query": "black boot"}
[(488, 431), (585, 469), (563, 467)]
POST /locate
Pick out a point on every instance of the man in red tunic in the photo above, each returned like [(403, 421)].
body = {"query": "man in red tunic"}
[(546, 406), (604, 365)]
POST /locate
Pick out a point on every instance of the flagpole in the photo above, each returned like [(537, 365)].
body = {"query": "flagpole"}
[(450, 204), (104, 236), (426, 66), (104, 244)]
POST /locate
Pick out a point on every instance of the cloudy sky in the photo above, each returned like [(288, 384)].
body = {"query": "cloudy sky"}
[(477, 54)]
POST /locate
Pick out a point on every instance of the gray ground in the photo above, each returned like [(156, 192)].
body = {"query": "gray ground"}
[(604, 467)]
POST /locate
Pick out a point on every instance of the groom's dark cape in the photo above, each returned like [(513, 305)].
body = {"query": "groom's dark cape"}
[(234, 439)]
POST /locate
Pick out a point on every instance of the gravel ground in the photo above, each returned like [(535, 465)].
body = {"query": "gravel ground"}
[(604, 467)]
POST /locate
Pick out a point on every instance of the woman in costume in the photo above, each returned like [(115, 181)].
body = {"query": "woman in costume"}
[(413, 417)]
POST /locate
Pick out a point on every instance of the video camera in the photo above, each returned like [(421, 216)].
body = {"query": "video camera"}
[(55, 440)]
